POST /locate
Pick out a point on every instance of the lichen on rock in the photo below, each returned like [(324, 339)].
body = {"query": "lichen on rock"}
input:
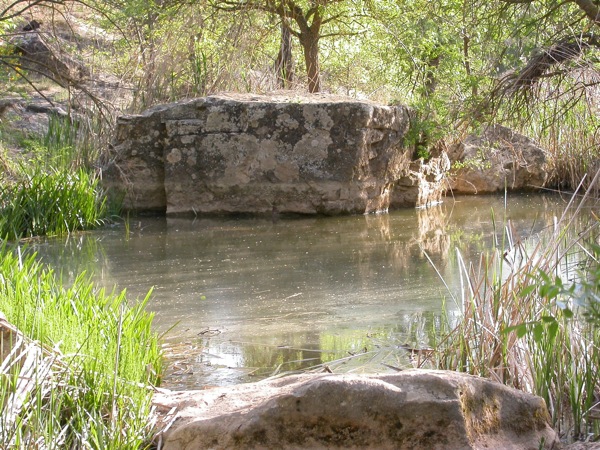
[(244, 153)]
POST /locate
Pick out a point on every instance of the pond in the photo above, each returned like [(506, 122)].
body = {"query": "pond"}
[(241, 299)]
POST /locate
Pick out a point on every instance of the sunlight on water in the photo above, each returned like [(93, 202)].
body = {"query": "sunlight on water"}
[(247, 298)]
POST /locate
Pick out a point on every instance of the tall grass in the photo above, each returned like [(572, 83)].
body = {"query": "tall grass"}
[(78, 376), (573, 144), (73, 143), (518, 327), (55, 190), (50, 203), (564, 119)]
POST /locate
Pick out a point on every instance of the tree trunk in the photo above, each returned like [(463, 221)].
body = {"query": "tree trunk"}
[(284, 64), (430, 76), (310, 44)]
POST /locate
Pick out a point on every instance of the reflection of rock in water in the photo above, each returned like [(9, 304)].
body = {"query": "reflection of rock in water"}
[(386, 246), (378, 224), (406, 237), (431, 228)]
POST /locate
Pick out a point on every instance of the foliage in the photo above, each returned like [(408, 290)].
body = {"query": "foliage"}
[(558, 328), (477, 162), (82, 383), (586, 292), (50, 203)]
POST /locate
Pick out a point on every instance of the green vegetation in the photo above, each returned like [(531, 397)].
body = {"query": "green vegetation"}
[(523, 323), (50, 204), (51, 188), (459, 64), (81, 374), (84, 382)]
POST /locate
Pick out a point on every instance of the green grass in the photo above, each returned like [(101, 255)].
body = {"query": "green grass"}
[(83, 382), (49, 187), (50, 203), (80, 372)]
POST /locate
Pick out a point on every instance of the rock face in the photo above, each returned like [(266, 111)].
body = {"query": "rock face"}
[(414, 409), (497, 159), (239, 153), (424, 184)]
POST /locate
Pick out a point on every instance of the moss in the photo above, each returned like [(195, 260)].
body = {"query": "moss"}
[(481, 412)]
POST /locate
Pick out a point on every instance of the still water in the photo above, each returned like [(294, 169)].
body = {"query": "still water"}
[(241, 299)]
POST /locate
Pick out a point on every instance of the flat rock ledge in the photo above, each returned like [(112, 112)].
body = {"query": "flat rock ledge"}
[(278, 153), (414, 409)]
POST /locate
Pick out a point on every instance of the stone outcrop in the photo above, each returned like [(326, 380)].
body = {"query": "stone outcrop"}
[(414, 409), (497, 159), (42, 52), (424, 184), (243, 153)]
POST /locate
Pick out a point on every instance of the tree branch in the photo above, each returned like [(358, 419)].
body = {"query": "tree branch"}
[(591, 10), (563, 51), (589, 7)]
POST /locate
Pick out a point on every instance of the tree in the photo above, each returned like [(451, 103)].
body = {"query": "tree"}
[(309, 20), (284, 65)]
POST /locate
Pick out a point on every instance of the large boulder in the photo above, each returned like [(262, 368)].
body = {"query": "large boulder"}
[(42, 52), (498, 159), (414, 409), (278, 153)]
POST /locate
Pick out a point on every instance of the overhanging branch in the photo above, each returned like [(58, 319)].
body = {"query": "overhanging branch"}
[(564, 51), (590, 8)]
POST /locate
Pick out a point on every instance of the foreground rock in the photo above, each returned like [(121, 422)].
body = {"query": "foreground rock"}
[(500, 158), (242, 153), (414, 409)]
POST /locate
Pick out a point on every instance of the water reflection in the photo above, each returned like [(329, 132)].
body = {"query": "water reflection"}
[(214, 360), (250, 297)]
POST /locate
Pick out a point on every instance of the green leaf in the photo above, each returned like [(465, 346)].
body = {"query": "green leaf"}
[(527, 290), (520, 329), (553, 330), (544, 276), (558, 281), (538, 332)]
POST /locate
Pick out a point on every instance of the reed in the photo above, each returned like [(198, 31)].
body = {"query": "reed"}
[(50, 203), (565, 121), (518, 325), (79, 374)]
